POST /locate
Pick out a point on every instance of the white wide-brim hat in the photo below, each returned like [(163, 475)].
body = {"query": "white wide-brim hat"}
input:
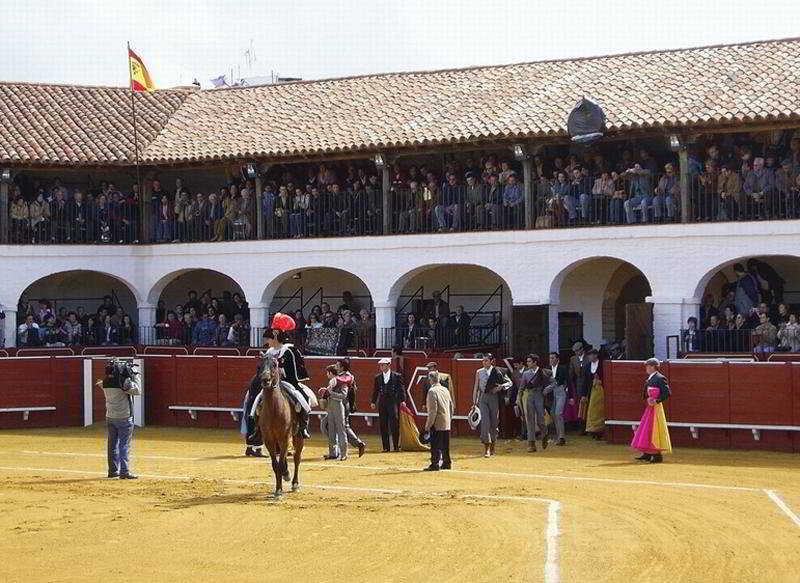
[(474, 417)]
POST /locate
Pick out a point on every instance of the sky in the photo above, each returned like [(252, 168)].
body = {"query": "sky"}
[(84, 41)]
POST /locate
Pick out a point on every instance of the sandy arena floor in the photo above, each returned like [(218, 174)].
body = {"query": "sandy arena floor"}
[(201, 512)]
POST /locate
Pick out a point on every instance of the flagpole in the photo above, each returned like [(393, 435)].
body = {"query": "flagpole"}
[(142, 208)]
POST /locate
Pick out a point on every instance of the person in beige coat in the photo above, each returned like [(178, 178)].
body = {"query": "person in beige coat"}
[(440, 415)]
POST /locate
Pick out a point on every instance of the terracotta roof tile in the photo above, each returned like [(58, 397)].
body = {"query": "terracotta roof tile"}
[(66, 125), (704, 86)]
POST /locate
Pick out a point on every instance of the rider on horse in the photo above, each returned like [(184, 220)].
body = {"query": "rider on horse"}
[(293, 373)]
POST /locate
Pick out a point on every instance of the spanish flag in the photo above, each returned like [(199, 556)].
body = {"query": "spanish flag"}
[(140, 78)]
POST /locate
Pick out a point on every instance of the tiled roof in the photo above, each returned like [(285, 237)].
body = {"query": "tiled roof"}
[(758, 81), (692, 87), (72, 125)]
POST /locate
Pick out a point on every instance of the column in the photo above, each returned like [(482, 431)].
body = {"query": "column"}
[(552, 327), (384, 325), (259, 315), (667, 321), (10, 330), (147, 321), (387, 203), (4, 188), (686, 201), (259, 208), (527, 177)]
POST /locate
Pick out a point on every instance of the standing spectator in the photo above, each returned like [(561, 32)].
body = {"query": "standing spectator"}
[(268, 209), (40, 219), (746, 291), (603, 193), (476, 204), (460, 322), (20, 219), (691, 336), (440, 412), (182, 214), (198, 211), (387, 396), (283, 207)]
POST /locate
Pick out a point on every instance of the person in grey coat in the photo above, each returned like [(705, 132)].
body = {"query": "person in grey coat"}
[(530, 399), (489, 384), (558, 388)]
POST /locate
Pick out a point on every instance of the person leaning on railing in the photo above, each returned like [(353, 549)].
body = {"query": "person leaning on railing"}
[(789, 335)]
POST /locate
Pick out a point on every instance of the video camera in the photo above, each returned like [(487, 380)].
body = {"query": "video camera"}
[(118, 371)]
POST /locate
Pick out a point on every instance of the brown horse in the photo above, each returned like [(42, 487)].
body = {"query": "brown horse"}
[(278, 422)]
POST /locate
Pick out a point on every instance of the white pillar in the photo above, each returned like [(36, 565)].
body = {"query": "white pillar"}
[(10, 331), (552, 325), (147, 321), (259, 314), (667, 319), (384, 319)]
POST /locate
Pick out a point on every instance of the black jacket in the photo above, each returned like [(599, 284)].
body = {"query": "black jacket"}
[(659, 381), (390, 394)]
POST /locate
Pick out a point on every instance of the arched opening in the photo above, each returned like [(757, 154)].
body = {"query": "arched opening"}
[(602, 301), (333, 307), (200, 307), (451, 307), (71, 309), (746, 305)]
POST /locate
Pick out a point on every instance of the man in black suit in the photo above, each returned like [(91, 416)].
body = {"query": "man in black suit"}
[(459, 322), (439, 310), (389, 392)]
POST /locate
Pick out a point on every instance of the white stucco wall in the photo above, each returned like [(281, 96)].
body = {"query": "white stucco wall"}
[(674, 258)]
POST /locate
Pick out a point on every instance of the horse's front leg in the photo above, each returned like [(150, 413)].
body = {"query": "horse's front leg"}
[(297, 442), (276, 469)]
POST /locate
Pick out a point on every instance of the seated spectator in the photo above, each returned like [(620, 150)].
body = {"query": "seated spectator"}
[(205, 332), (238, 332), (513, 202), (39, 211), (789, 335), (448, 211), (221, 338), (90, 332), (73, 329), (52, 334), (667, 194), (640, 194), (759, 188), (28, 333), (127, 331), (766, 335), (108, 332), (603, 194)]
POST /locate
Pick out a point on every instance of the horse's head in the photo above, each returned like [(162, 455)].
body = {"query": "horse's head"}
[(270, 373)]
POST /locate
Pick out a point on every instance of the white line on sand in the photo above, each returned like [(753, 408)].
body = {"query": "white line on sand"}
[(773, 495), (551, 567), (338, 466)]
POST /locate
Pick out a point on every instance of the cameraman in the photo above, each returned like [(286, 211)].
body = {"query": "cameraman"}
[(119, 385)]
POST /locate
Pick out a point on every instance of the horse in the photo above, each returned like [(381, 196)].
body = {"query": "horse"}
[(278, 422)]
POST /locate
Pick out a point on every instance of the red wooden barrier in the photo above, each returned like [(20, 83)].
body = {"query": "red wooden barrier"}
[(753, 393)]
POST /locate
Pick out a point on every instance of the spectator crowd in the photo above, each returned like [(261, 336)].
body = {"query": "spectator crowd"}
[(736, 177), (751, 315), (42, 325)]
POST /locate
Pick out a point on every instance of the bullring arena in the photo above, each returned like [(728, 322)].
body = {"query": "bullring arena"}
[(202, 511)]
